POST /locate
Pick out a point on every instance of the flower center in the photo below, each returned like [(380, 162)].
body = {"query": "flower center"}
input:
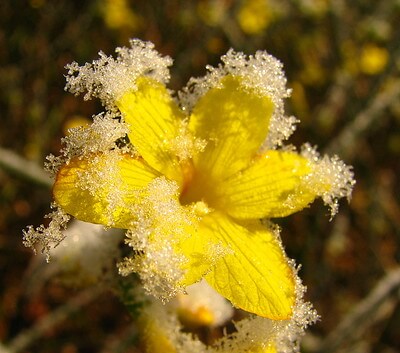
[(196, 187)]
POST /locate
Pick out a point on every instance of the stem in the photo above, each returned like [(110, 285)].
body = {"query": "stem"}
[(346, 143), (365, 314), (14, 163), (29, 336)]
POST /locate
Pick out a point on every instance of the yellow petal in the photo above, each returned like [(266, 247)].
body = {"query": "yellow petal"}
[(271, 187), (154, 121), (100, 189), (234, 122), (256, 276), (200, 249)]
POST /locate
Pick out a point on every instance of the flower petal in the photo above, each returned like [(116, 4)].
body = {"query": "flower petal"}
[(200, 249), (155, 120), (256, 276), (273, 186), (234, 121), (100, 189)]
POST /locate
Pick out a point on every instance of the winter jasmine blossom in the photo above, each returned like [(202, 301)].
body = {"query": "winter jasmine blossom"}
[(195, 177), (162, 329)]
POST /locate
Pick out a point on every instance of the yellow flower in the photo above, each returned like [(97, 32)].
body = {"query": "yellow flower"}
[(118, 14), (254, 16), (198, 179), (161, 329), (373, 59)]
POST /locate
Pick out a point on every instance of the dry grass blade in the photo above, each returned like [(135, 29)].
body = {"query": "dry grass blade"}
[(365, 314)]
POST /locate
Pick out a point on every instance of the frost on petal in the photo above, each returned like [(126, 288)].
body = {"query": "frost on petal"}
[(290, 332), (108, 78), (159, 223), (185, 146), (47, 237), (100, 136), (158, 268), (251, 334), (256, 333), (102, 176), (331, 178), (262, 74)]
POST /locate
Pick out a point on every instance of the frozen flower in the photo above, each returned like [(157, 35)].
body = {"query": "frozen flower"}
[(195, 183), (88, 253), (85, 257), (161, 328), (202, 306)]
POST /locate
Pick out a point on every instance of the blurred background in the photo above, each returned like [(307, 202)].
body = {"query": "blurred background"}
[(342, 61)]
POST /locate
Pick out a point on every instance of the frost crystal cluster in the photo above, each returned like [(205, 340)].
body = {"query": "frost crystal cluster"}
[(195, 178)]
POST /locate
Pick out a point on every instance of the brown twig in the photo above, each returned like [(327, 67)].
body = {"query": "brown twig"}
[(27, 337), (365, 314), (346, 143), (27, 169), (4, 349)]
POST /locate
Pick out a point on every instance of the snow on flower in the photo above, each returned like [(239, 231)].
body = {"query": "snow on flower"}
[(195, 177)]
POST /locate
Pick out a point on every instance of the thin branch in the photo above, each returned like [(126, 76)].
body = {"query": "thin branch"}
[(345, 144), (29, 336), (121, 344), (4, 349), (366, 313), (14, 163)]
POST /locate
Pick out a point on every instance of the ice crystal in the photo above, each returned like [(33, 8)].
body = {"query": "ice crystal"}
[(158, 269), (103, 173), (160, 222), (100, 136), (185, 145), (156, 262), (290, 332), (108, 78), (155, 178), (253, 333), (328, 171), (47, 237), (262, 74)]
